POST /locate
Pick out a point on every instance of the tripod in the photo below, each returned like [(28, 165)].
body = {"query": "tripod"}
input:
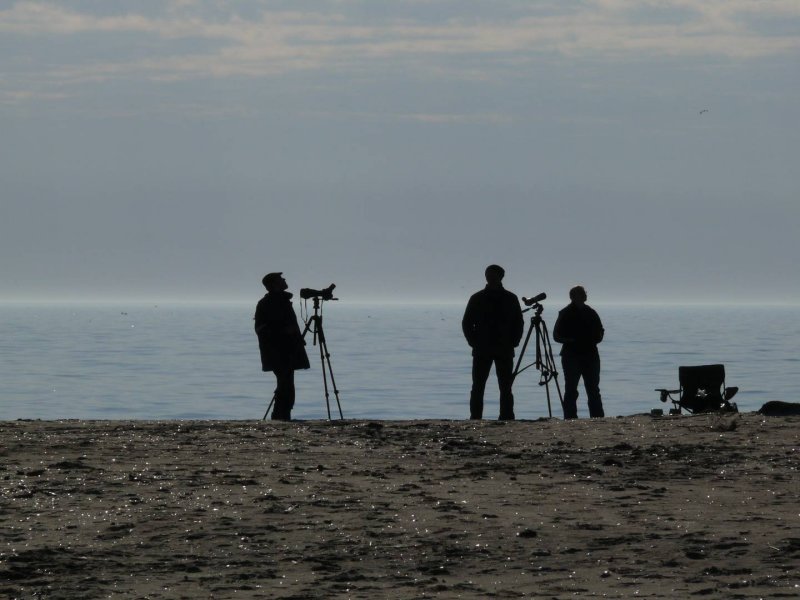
[(314, 325), (543, 362)]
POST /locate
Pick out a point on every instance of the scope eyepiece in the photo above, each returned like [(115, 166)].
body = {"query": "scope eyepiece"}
[(324, 294), (535, 300)]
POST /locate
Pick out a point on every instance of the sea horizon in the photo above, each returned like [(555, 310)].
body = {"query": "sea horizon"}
[(413, 302), (391, 361)]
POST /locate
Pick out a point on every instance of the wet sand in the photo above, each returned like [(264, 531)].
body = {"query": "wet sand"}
[(643, 506)]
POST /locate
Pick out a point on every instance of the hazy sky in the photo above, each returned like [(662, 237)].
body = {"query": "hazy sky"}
[(648, 149)]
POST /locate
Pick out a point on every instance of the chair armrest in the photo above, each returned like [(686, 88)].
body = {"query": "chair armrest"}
[(666, 394)]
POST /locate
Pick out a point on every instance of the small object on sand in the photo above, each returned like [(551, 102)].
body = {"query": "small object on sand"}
[(726, 424), (776, 408), (527, 533)]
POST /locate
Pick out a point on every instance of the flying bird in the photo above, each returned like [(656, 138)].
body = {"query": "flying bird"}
[(705, 110)]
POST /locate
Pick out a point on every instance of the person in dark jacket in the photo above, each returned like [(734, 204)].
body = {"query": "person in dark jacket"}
[(493, 327), (280, 342), (579, 330)]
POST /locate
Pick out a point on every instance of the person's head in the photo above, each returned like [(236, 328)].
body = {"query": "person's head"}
[(578, 295), (274, 282), (494, 275)]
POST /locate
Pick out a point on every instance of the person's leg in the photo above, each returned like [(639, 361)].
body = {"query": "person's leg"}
[(591, 381), (572, 374), (290, 393), (504, 367), (284, 394), (481, 366)]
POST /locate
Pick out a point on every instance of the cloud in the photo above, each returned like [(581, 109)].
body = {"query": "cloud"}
[(337, 37), (32, 18), (19, 96), (444, 118)]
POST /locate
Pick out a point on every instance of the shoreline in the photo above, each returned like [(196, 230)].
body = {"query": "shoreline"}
[(661, 507)]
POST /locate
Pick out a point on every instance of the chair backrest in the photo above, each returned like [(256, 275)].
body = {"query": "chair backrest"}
[(702, 387)]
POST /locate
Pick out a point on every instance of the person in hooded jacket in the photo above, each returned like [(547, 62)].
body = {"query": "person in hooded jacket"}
[(280, 342), (493, 327), (579, 329)]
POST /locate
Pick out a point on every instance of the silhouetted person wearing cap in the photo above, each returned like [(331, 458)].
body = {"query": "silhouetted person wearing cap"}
[(579, 330), (493, 327), (280, 342)]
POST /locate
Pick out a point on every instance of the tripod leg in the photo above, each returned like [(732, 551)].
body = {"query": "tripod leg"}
[(324, 372), (318, 336), (552, 362), (545, 376), (524, 347), (271, 402), (547, 392), (539, 345), (558, 389), (333, 381), (324, 359), (307, 327), (323, 344)]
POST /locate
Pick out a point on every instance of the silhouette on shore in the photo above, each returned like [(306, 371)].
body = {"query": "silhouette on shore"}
[(493, 327), (280, 342), (702, 389), (579, 330)]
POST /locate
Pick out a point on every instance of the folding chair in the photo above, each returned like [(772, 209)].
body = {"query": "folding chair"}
[(702, 390)]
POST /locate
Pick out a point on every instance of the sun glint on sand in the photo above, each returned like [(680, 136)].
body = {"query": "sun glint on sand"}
[(653, 507)]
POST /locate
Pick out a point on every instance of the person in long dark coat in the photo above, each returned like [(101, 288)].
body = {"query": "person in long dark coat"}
[(579, 330), (493, 326), (280, 342)]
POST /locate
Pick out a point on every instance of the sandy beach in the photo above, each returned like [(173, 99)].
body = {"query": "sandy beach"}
[(641, 506)]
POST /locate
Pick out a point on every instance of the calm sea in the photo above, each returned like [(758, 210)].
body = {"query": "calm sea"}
[(390, 362)]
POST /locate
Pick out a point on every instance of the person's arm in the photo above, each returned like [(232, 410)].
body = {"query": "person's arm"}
[(259, 319), (560, 330), (468, 322), (519, 322), (598, 332)]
